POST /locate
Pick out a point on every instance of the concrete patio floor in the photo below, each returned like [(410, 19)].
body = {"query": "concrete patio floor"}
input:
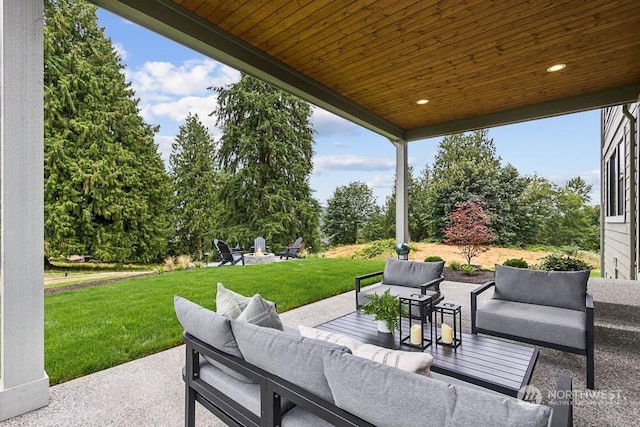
[(150, 391)]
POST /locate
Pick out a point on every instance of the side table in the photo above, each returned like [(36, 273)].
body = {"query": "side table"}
[(421, 304)]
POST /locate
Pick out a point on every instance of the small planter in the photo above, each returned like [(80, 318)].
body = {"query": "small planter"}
[(382, 327)]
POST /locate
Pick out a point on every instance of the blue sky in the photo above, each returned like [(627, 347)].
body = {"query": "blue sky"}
[(171, 80)]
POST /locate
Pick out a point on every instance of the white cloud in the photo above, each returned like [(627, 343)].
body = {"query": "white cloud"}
[(157, 80), (381, 181), (352, 162), (591, 177), (120, 51), (328, 124), (178, 109)]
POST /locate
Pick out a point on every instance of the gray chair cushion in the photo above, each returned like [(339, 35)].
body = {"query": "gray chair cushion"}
[(247, 395), (379, 394), (566, 289), (210, 327), (410, 273), (380, 288), (293, 358), (538, 322)]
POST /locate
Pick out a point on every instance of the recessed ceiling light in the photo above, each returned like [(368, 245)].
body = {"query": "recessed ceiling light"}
[(422, 101), (556, 67)]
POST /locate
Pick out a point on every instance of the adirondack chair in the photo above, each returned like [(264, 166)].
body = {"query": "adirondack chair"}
[(227, 256), (291, 251), (259, 243)]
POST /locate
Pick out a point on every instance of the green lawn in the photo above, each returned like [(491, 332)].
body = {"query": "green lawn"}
[(91, 329)]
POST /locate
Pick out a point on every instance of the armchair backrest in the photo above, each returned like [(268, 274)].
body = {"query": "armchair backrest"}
[(410, 273), (564, 289), (223, 249), (259, 243)]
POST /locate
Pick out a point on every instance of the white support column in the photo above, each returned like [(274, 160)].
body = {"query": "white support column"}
[(402, 192), (24, 385)]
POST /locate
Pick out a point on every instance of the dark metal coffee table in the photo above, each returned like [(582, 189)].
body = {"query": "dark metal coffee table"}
[(497, 365)]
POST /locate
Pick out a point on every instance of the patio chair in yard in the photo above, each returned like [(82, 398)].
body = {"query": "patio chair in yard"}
[(228, 256), (259, 243), (291, 251)]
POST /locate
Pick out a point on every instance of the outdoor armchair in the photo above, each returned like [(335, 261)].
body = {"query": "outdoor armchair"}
[(228, 256), (291, 251)]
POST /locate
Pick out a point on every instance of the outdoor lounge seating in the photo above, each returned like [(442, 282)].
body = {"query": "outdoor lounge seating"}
[(227, 255), (545, 308), (291, 251), (404, 278), (259, 245), (306, 382)]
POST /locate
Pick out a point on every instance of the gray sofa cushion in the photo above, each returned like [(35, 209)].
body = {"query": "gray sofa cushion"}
[(539, 322), (206, 325), (410, 273), (247, 395), (399, 291), (293, 358), (230, 304), (566, 289), (210, 327), (379, 393), (261, 312), (298, 417)]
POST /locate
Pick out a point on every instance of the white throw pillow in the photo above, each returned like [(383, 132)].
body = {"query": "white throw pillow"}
[(336, 338), (230, 304), (411, 361)]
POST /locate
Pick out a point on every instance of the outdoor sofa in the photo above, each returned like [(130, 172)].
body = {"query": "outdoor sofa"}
[(545, 308), (403, 278), (249, 375)]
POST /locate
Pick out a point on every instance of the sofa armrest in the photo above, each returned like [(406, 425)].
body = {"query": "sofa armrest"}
[(474, 302), (433, 284), (562, 415)]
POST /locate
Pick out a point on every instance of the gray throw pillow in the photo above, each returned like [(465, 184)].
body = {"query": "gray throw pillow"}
[(261, 312), (376, 392), (210, 327), (229, 303), (410, 273), (292, 357), (564, 289)]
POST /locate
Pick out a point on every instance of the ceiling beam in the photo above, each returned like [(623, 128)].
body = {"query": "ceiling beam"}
[(172, 21), (572, 104)]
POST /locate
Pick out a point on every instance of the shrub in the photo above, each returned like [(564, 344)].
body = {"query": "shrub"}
[(433, 258), (516, 262), (468, 269), (454, 265), (169, 263), (570, 250), (184, 262), (555, 262), (380, 247), (468, 228)]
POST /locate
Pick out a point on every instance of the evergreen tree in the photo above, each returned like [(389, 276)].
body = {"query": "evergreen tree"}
[(265, 154), (348, 212), (106, 189), (194, 187)]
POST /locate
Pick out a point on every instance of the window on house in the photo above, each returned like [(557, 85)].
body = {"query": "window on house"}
[(615, 168)]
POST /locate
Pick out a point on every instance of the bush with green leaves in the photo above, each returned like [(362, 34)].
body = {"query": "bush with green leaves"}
[(380, 247), (516, 262), (454, 265), (468, 269), (433, 258), (555, 262)]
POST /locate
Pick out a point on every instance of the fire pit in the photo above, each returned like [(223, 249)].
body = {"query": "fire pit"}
[(257, 258)]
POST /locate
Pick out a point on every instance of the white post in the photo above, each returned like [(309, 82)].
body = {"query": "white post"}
[(402, 192), (24, 385)]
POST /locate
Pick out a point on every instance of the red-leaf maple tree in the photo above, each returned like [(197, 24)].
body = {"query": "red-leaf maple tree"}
[(468, 229)]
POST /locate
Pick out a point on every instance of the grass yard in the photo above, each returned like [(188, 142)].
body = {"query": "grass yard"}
[(94, 328)]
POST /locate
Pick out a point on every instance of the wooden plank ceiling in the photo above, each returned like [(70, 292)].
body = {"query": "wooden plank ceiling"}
[(469, 58)]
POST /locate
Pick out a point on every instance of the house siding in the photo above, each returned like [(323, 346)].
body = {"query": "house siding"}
[(618, 249)]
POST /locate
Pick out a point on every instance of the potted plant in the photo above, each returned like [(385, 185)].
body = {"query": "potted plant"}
[(386, 309)]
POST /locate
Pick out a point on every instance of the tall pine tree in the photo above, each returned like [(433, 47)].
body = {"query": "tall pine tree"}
[(195, 187), (106, 190), (266, 154)]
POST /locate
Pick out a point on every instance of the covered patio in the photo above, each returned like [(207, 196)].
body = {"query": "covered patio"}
[(407, 70)]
